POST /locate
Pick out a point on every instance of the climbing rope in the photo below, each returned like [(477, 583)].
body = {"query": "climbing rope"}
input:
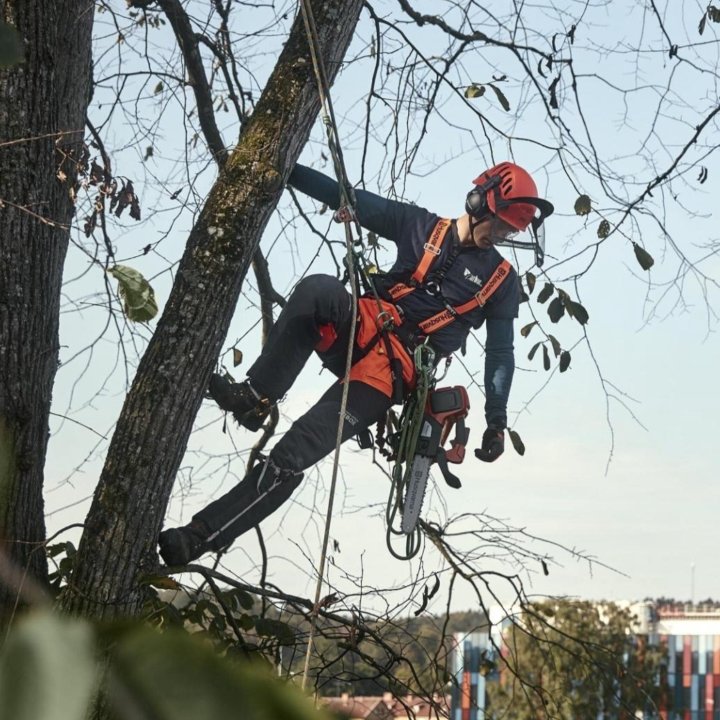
[(411, 418), (347, 200)]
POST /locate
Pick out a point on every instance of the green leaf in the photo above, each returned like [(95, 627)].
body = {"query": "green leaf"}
[(57, 549), (275, 628), (583, 205), (474, 91), (517, 443), (11, 46), (553, 93), (501, 97), (577, 311), (546, 292), (555, 344), (564, 360), (603, 229), (546, 357), (47, 669), (556, 309), (240, 599), (533, 350), (136, 293), (525, 331), (175, 676), (246, 622), (530, 279), (643, 257)]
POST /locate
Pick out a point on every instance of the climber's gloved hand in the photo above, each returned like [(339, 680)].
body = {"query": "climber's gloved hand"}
[(493, 445)]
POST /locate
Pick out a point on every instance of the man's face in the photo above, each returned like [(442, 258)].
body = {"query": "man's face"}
[(490, 231)]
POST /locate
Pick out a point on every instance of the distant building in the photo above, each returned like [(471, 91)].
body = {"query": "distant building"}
[(691, 637), (690, 678), (351, 707), (387, 707), (473, 652)]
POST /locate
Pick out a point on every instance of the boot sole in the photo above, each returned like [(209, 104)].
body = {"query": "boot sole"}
[(251, 420)]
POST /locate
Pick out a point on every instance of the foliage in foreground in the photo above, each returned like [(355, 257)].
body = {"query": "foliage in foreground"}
[(49, 670)]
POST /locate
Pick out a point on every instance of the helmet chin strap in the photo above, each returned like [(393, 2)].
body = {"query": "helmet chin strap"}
[(475, 223)]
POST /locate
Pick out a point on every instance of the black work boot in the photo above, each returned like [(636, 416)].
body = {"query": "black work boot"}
[(247, 407), (182, 545)]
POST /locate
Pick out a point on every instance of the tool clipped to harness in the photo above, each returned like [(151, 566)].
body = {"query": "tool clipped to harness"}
[(445, 408), (425, 425)]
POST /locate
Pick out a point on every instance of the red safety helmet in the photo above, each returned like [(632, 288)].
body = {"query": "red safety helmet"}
[(508, 192)]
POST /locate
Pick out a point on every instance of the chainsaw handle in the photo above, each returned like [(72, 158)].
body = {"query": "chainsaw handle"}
[(450, 478), (456, 453)]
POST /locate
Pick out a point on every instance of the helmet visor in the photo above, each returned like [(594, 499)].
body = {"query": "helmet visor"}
[(503, 233)]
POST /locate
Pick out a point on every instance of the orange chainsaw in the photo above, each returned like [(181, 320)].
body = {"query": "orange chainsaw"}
[(445, 408)]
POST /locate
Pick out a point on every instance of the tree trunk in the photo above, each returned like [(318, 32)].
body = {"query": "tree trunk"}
[(118, 545), (43, 102)]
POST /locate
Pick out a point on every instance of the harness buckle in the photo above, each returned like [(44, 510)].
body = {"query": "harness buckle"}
[(434, 249), (385, 319), (432, 287)]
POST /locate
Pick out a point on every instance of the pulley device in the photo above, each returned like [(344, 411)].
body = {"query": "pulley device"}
[(427, 419)]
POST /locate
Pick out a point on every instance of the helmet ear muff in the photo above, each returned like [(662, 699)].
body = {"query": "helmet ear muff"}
[(476, 201)]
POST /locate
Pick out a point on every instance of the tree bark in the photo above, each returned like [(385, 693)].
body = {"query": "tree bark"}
[(118, 545), (43, 102)]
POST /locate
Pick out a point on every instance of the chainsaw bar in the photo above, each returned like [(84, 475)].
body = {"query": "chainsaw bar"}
[(416, 486)]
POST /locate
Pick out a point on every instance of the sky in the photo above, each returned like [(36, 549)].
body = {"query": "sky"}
[(617, 489)]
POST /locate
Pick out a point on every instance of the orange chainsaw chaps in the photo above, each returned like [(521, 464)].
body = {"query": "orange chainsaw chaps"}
[(374, 368)]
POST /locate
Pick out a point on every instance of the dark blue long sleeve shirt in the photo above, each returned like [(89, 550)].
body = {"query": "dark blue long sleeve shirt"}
[(409, 226)]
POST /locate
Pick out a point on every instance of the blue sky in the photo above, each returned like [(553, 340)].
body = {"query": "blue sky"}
[(631, 484)]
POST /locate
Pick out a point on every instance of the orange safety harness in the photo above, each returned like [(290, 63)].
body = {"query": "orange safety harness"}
[(381, 319), (431, 252)]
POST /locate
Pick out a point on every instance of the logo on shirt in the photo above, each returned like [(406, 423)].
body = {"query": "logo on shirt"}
[(472, 278)]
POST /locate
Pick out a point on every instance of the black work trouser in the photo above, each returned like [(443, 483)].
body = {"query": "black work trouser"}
[(317, 300)]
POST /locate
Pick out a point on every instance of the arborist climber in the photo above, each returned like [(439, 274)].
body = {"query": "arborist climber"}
[(448, 278)]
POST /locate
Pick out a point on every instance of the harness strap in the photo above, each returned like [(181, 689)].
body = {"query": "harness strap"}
[(431, 251), (445, 317)]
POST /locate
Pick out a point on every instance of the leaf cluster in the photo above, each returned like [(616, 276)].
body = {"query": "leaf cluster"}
[(560, 305)]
